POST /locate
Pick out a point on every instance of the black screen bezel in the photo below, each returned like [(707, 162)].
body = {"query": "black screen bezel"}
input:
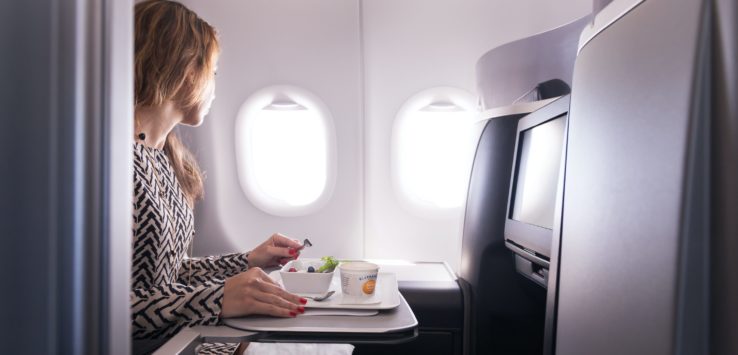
[(525, 236)]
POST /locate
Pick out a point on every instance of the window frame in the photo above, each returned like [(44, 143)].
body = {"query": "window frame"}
[(459, 97), (256, 102)]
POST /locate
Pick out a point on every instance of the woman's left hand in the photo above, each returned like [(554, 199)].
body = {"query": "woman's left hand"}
[(275, 251)]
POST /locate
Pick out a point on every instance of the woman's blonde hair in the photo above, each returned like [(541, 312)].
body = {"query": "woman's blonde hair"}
[(175, 53)]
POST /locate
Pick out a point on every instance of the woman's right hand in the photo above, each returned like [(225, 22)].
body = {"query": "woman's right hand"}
[(254, 292)]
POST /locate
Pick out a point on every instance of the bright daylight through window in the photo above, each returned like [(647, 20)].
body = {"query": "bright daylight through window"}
[(433, 146), (285, 150)]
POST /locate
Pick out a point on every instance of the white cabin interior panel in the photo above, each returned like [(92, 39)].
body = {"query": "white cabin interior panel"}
[(364, 60)]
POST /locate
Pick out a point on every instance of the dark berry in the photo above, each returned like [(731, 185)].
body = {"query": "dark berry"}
[(311, 269)]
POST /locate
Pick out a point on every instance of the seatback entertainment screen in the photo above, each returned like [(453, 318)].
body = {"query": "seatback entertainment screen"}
[(537, 172)]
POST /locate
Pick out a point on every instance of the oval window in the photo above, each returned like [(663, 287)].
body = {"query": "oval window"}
[(433, 147), (285, 149)]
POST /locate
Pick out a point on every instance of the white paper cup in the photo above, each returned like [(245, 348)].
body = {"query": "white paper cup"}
[(358, 279)]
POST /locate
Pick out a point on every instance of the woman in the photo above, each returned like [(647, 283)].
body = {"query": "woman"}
[(175, 59)]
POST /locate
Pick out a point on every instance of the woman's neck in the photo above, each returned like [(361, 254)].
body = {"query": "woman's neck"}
[(155, 122)]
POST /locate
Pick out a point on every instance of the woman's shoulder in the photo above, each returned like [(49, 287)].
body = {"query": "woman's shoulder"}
[(139, 151)]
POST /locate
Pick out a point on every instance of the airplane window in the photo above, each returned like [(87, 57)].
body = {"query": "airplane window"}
[(433, 146), (285, 150)]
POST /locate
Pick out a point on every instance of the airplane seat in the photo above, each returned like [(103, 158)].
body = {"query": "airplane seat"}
[(504, 311), (648, 227)]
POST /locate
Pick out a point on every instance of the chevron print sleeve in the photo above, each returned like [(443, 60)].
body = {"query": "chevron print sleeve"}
[(162, 311), (196, 270)]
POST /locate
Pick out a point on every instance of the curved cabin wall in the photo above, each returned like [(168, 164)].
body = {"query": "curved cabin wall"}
[(509, 73)]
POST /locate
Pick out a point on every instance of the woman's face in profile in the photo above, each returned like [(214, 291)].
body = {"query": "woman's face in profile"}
[(208, 96), (206, 100)]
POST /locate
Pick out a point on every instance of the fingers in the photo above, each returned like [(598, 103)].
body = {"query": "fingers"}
[(273, 310), (282, 241), (266, 284), (280, 292), (261, 295), (281, 249), (254, 276), (275, 300), (266, 278), (281, 252), (278, 301)]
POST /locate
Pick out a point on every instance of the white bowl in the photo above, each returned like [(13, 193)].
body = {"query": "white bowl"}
[(303, 281)]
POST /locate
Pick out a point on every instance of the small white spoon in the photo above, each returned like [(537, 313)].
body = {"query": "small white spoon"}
[(321, 298)]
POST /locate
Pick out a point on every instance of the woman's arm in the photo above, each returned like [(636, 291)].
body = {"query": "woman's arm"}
[(276, 250), (196, 271), (161, 311)]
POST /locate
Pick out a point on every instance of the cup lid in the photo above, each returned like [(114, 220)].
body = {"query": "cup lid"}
[(358, 266)]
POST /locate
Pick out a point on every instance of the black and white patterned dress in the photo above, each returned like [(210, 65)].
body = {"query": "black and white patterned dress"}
[(169, 290)]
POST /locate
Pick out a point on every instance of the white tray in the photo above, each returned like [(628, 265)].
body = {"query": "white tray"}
[(386, 294), (386, 321)]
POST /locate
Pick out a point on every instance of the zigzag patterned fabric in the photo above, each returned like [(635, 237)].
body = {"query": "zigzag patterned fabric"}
[(169, 290), (214, 349)]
